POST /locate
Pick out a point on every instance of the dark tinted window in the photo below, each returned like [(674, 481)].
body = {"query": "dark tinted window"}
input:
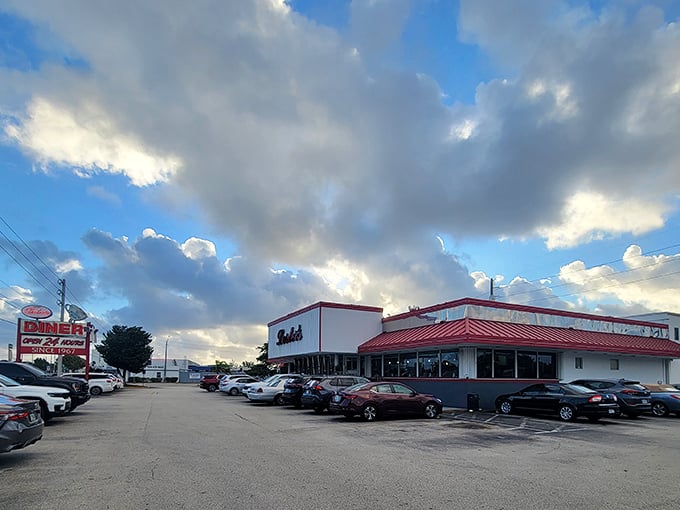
[(12, 371), (484, 363)]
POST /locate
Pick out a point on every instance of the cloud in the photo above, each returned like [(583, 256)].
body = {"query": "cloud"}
[(104, 195), (647, 281)]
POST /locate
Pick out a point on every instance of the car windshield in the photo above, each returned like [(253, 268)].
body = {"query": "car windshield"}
[(6, 381)]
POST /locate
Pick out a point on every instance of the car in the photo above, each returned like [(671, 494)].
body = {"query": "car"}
[(665, 399), (292, 390), (99, 383), (234, 385), (375, 400), (270, 379), (318, 391), (633, 398), (52, 401), (568, 401), (271, 393), (25, 373), (224, 381), (20, 423), (210, 382)]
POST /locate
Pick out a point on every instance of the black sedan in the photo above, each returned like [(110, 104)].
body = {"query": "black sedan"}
[(568, 401), (20, 423)]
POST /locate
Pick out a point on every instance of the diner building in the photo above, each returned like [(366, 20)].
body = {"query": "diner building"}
[(471, 347)]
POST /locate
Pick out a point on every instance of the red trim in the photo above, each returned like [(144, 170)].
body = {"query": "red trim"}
[(324, 304), (522, 308)]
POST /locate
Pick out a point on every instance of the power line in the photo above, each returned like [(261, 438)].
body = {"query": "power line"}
[(29, 248)]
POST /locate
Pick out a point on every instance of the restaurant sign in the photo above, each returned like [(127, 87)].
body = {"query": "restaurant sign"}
[(52, 337)]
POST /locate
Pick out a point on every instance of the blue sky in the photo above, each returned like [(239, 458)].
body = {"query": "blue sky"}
[(200, 170)]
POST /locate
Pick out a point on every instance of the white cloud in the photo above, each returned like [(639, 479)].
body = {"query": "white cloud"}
[(591, 216), (88, 140), (196, 248), (650, 281)]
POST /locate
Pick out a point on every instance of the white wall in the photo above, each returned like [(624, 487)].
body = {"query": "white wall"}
[(343, 330), (309, 321), (595, 365)]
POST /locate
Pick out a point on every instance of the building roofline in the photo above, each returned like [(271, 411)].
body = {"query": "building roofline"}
[(326, 304)]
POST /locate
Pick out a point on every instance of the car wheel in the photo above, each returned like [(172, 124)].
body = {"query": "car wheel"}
[(567, 413), (278, 400), (505, 407), (431, 410), (369, 412), (659, 409), (95, 390), (44, 412), (233, 391), (211, 388)]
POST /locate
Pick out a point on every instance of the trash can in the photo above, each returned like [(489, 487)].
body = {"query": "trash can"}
[(473, 402)]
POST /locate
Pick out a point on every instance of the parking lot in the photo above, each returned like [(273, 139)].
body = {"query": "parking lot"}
[(176, 446)]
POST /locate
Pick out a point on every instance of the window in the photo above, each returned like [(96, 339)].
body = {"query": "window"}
[(408, 364), (382, 388), (350, 364), (484, 363), (578, 363), (376, 366), (391, 366), (399, 388), (503, 364), (449, 364), (614, 364), (428, 364), (676, 332), (527, 365), (547, 365)]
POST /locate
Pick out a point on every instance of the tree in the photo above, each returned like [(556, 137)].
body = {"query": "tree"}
[(72, 362), (262, 368), (223, 367), (42, 364), (126, 348)]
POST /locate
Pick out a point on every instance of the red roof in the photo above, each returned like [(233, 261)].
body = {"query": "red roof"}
[(506, 334)]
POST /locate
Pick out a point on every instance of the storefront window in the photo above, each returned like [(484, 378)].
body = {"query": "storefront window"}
[(503, 364), (376, 365), (408, 364), (391, 366), (526, 365), (547, 365), (449, 364), (428, 364), (484, 363)]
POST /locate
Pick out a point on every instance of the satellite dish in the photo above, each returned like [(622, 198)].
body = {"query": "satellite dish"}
[(75, 313)]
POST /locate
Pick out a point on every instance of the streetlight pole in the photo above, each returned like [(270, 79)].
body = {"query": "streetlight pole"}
[(165, 364)]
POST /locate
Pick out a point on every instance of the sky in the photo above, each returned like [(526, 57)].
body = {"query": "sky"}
[(200, 169)]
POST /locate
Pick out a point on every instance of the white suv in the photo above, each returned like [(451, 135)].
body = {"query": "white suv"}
[(53, 401), (98, 384)]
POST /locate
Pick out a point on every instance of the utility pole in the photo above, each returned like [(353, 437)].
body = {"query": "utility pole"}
[(165, 364), (62, 305)]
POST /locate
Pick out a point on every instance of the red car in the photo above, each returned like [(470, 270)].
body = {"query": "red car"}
[(379, 399), (211, 382)]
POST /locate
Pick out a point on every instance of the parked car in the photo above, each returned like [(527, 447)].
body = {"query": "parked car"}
[(292, 390), (633, 398), (211, 382), (52, 401), (374, 400), (270, 379), (568, 401), (234, 385), (665, 399), (99, 383), (24, 373), (271, 393), (20, 423), (317, 392)]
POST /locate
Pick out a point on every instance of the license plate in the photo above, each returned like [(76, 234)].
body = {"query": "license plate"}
[(337, 398), (645, 401), (33, 417), (611, 411)]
